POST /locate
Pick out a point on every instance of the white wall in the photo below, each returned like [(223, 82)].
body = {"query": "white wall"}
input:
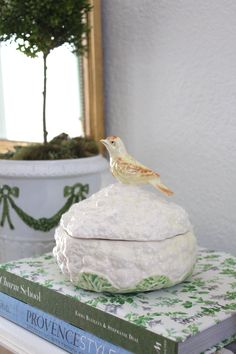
[(170, 93)]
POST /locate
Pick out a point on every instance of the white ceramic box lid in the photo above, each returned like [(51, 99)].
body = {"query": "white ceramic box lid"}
[(125, 212)]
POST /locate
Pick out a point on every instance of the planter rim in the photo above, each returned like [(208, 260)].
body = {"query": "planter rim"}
[(53, 168)]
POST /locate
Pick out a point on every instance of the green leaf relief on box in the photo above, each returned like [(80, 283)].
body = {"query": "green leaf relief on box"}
[(95, 282)]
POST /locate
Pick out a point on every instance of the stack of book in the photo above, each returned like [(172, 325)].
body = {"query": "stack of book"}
[(196, 316)]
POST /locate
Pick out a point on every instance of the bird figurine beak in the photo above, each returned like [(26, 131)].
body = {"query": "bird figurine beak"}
[(104, 142)]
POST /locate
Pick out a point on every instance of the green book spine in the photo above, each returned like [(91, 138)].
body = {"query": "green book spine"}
[(104, 325)]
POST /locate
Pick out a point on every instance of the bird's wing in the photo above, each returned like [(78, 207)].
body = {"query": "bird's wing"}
[(132, 167)]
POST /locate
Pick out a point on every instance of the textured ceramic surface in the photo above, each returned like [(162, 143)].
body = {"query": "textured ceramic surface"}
[(123, 266), (125, 239), (125, 212)]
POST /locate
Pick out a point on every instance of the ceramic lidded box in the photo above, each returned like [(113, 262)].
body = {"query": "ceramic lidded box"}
[(125, 239)]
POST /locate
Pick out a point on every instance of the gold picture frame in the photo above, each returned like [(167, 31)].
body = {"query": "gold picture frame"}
[(93, 77)]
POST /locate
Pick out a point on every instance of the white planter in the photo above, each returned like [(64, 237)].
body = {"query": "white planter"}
[(33, 195)]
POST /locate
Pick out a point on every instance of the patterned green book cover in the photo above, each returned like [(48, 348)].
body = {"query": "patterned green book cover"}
[(163, 322)]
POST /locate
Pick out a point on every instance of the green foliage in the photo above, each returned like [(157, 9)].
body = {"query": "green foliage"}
[(229, 271), (187, 304), (191, 329), (230, 262), (154, 282), (94, 282), (61, 147), (142, 320), (121, 299), (42, 25), (210, 310), (230, 307), (231, 295), (193, 285)]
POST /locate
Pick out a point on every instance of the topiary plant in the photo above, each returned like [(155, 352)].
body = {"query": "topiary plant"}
[(39, 26)]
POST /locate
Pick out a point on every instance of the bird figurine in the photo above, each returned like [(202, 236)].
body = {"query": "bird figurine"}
[(128, 170)]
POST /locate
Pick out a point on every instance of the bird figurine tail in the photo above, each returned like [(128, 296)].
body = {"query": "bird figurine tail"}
[(159, 185)]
